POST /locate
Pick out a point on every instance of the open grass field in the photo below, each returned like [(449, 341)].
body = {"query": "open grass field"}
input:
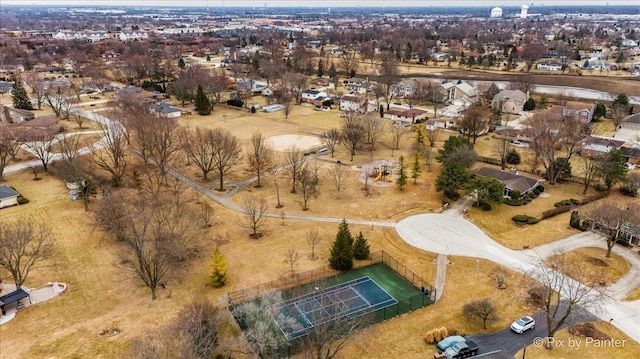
[(592, 262), (635, 295), (581, 348), (102, 294)]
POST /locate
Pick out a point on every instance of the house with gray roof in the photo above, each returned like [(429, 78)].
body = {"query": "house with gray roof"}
[(509, 101), (512, 180), (631, 122)]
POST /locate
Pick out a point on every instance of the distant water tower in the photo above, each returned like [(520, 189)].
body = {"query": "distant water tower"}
[(496, 12), (523, 11)]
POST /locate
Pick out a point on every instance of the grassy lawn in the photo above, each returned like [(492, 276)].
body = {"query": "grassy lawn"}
[(499, 226), (593, 261), (635, 295), (620, 346)]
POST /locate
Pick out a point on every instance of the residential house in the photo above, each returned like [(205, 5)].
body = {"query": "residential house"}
[(458, 90), (549, 65), (314, 97), (593, 146), (165, 110), (512, 180), (357, 85), (629, 230), (581, 110), (405, 88), (15, 115), (631, 122), (442, 122), (632, 154), (251, 85), (8, 196), (409, 116), (509, 101), (353, 104)]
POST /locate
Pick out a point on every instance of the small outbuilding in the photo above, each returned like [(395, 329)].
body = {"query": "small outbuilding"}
[(8, 196), (13, 297)]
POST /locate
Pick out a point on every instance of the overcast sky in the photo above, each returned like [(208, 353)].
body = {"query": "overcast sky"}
[(316, 3)]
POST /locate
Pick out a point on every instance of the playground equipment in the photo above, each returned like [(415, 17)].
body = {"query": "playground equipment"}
[(382, 173)]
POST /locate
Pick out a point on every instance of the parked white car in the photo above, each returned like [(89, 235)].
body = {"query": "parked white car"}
[(523, 324)]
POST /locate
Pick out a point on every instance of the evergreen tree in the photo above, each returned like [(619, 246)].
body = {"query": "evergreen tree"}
[(401, 181), (208, 58), (451, 179), (320, 68), (381, 111), (218, 273), (181, 63), (20, 96), (341, 257), (332, 71), (203, 106), (361, 247), (416, 169)]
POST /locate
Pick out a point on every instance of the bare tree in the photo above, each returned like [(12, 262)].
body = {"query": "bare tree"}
[(533, 52), (373, 127), (24, 244), (482, 310), (57, 97), (157, 231), (38, 88), (397, 132), (277, 170), (262, 333), (41, 148), (331, 139), (313, 239), (69, 147), (436, 96), (308, 184), (501, 149), (388, 76), (10, 144), (475, 122), (199, 147), (164, 142), (613, 217), (226, 153), (284, 97), (338, 176), (561, 290), (255, 211), (589, 169), (294, 83), (291, 257), (259, 155), (197, 326), (432, 136), (545, 133), (112, 156), (353, 133), (618, 113), (295, 160), (207, 214)]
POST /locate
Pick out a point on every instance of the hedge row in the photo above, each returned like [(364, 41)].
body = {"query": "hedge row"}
[(523, 218)]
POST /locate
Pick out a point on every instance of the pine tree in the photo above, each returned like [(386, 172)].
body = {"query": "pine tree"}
[(218, 274), (332, 71), (181, 63), (20, 96), (320, 68), (341, 257), (402, 174), (361, 247), (416, 169), (203, 106)]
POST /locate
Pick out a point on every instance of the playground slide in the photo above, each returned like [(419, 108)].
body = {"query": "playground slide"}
[(378, 177), (389, 177)]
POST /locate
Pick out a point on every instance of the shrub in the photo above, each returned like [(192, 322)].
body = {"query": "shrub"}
[(628, 191), (23, 200), (515, 194), (513, 157), (236, 102), (428, 338), (442, 333), (512, 202), (574, 201), (600, 187), (523, 218), (623, 243), (530, 105), (555, 211), (533, 194), (540, 188), (485, 206)]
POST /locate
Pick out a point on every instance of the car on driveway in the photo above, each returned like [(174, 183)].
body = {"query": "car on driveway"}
[(445, 343), (523, 324)]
